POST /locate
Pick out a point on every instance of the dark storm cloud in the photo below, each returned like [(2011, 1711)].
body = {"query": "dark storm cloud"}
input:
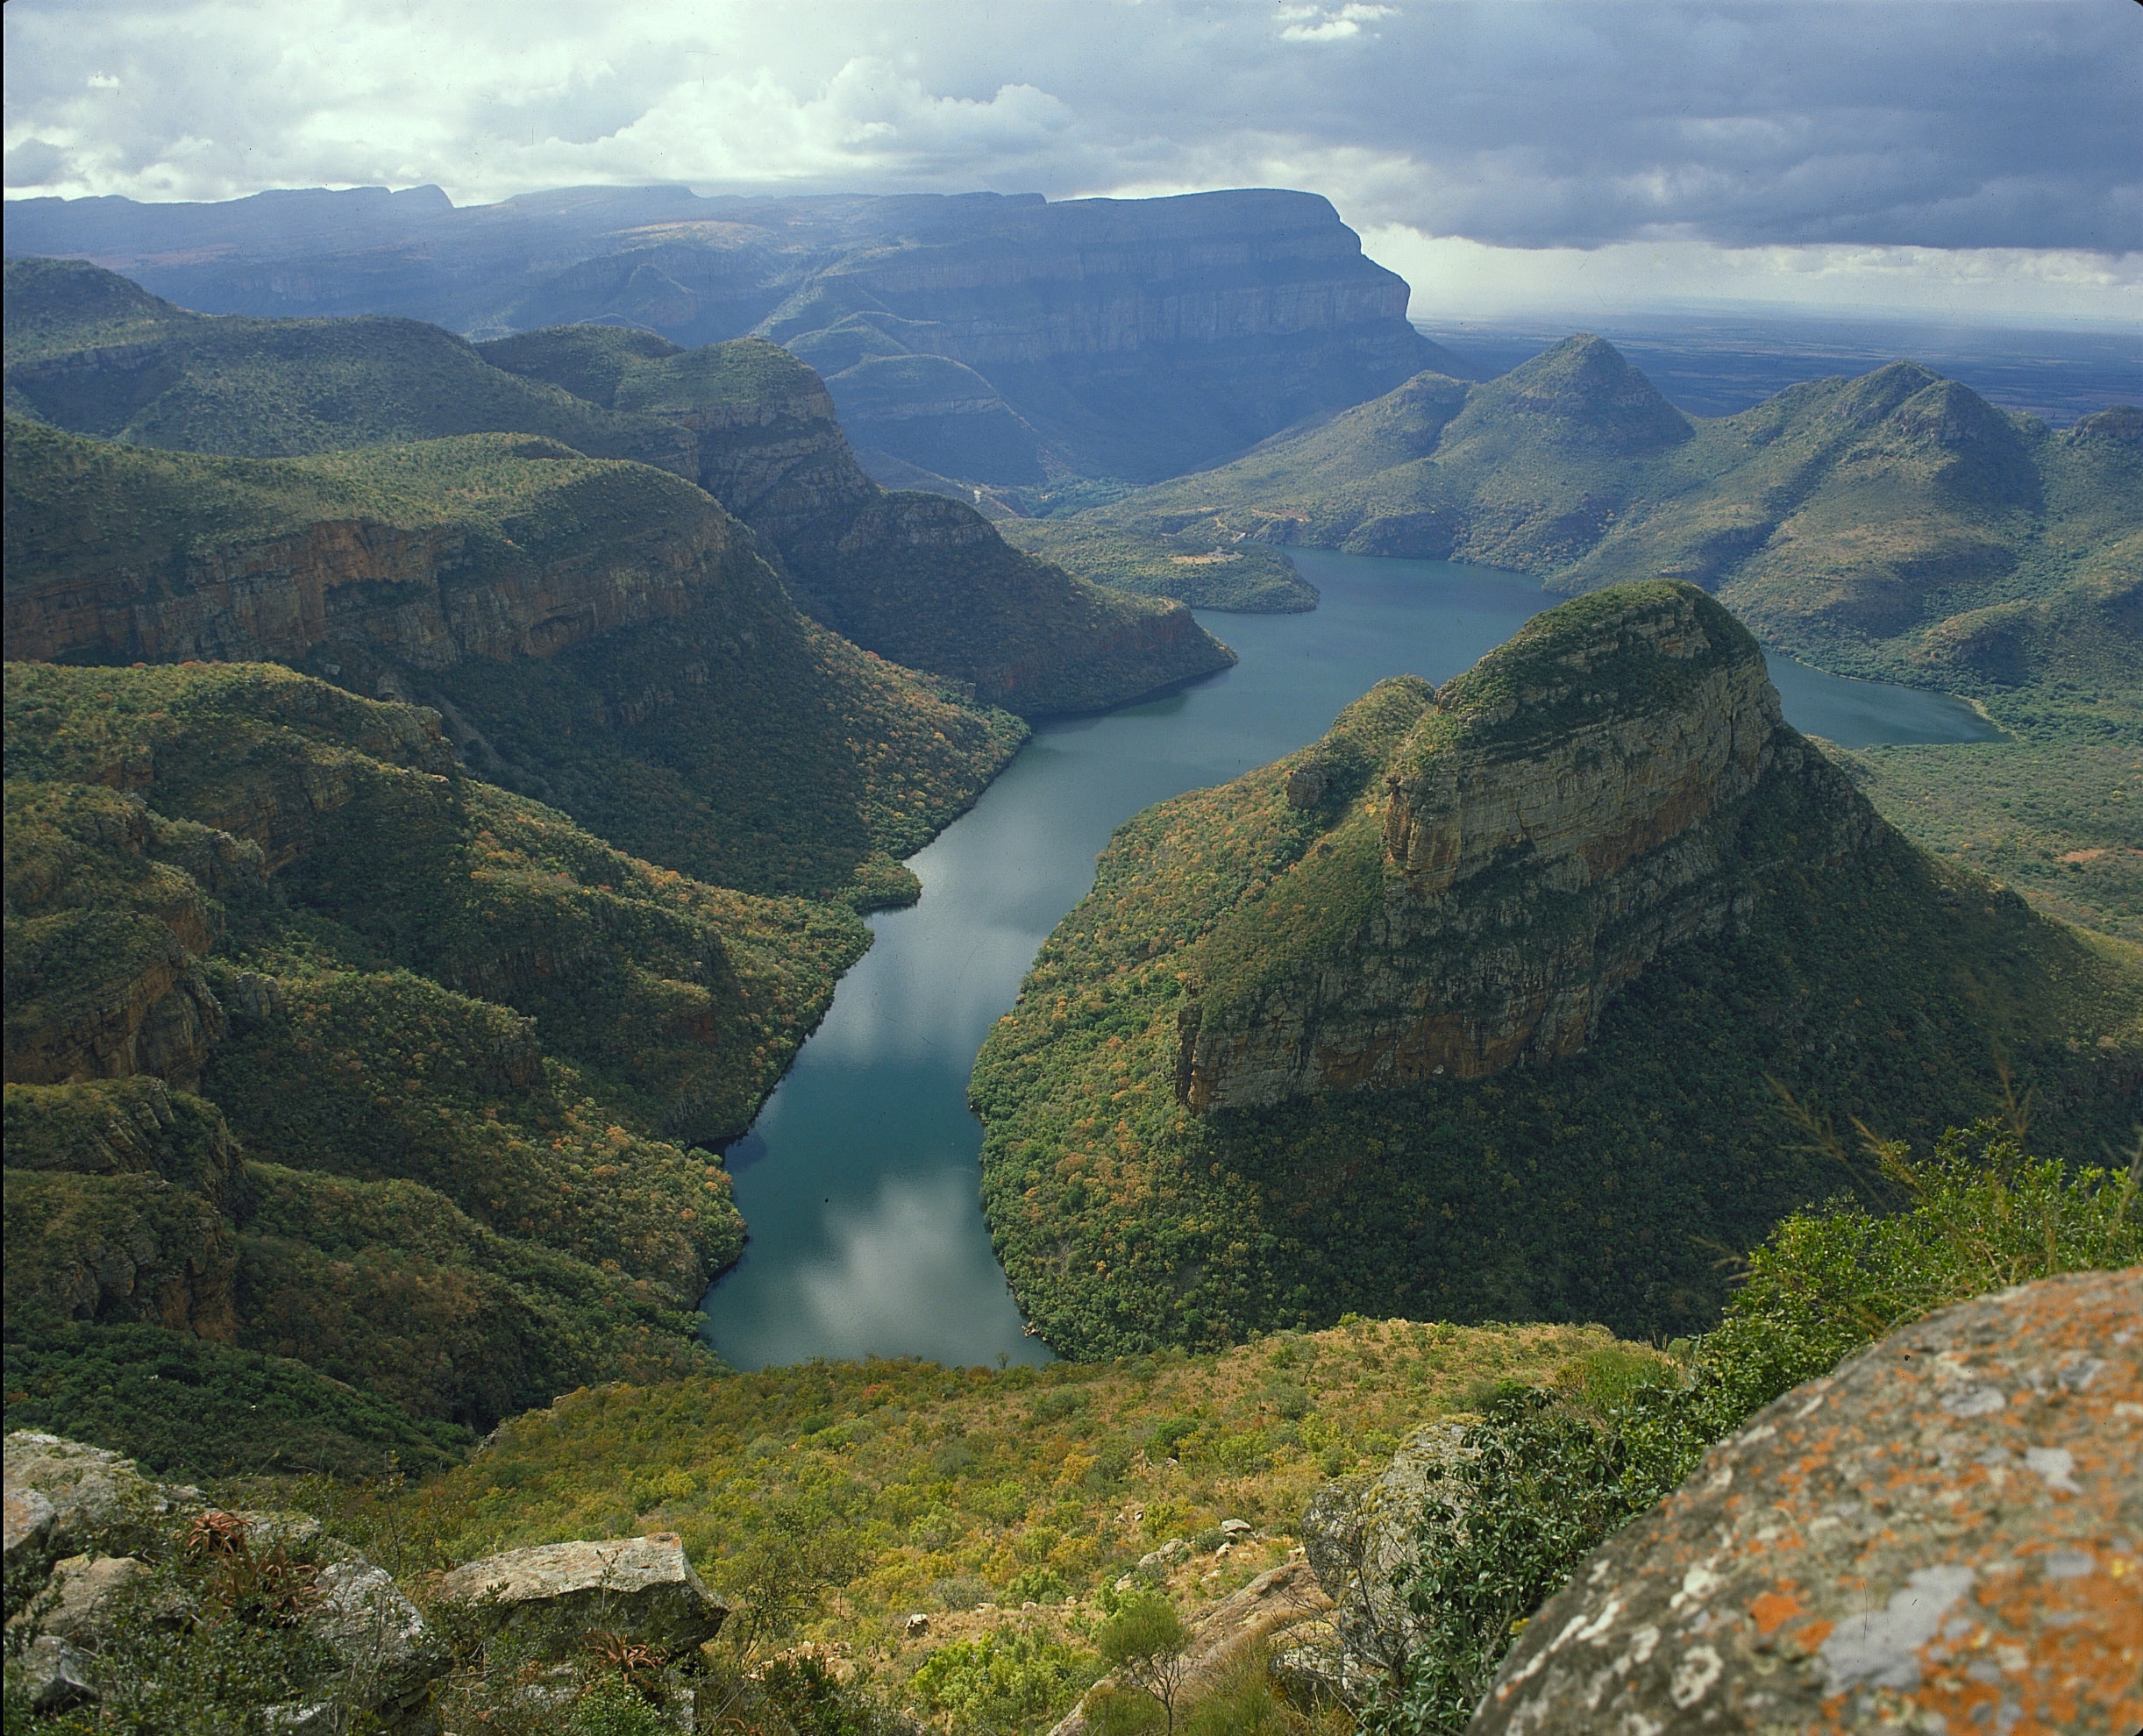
[(1950, 126)]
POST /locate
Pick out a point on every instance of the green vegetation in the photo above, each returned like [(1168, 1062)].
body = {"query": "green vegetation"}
[(180, 1403), (827, 1503), (427, 1158), (90, 352), (1198, 570), (1895, 527), (727, 736), (1557, 1475), (1889, 986)]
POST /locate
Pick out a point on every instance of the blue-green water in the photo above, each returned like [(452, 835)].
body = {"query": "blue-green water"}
[(860, 1180)]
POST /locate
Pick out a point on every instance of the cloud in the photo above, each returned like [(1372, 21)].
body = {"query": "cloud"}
[(1887, 124), (1453, 278), (1324, 24)]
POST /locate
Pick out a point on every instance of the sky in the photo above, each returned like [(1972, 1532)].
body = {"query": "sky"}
[(1975, 161)]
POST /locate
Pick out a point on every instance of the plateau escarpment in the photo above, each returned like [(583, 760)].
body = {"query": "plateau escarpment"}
[(597, 633), (996, 340), (916, 577), (931, 586), (1480, 1007)]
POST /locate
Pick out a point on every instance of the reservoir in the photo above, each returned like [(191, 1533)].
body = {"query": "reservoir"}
[(860, 1181)]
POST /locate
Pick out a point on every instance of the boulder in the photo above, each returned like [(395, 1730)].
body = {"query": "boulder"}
[(78, 1602), (388, 1653), (1945, 1534), (639, 1587), (1359, 1535), (63, 1496), (49, 1675)]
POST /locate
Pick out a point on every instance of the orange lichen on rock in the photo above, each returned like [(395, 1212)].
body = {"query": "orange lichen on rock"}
[(1947, 1533)]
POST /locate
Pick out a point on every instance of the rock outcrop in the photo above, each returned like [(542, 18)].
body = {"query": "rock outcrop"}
[(1944, 1534), (916, 577), (551, 1596), (1360, 1535), (1279, 1600), (1605, 786), (978, 335), (63, 1498)]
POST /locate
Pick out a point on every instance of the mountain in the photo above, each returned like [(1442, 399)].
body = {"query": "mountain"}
[(995, 340), (319, 1049), (1896, 522), (918, 578), (600, 635), (1893, 526), (914, 576), (1480, 1008)]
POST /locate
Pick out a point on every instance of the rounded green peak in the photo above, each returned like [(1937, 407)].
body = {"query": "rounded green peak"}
[(1626, 649)]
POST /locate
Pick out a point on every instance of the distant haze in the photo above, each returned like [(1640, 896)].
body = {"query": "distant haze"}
[(1966, 160)]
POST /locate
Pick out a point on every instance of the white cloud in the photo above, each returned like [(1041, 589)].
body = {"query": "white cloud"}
[(1319, 23), (1453, 277), (1543, 125)]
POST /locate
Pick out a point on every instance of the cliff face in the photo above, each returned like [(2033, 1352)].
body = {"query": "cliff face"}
[(916, 577), (1577, 804), (429, 596), (1129, 337)]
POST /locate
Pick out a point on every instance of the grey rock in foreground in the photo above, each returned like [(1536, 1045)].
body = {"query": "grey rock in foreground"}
[(1360, 1533), (61, 1495), (553, 1597), (1944, 1534)]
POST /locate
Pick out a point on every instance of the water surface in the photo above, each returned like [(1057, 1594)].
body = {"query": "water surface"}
[(860, 1180)]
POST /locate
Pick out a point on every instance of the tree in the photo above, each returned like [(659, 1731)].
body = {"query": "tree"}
[(1144, 1645)]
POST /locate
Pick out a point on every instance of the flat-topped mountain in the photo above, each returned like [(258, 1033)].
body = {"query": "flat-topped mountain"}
[(916, 577), (988, 339), (600, 635), (1481, 1006)]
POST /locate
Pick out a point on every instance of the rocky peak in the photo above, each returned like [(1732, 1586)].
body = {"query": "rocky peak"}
[(1586, 381), (1614, 781)]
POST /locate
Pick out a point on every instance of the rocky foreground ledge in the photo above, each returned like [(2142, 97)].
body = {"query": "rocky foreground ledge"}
[(1944, 1534), (92, 1546)]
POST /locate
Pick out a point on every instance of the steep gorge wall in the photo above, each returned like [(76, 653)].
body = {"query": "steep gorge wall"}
[(427, 595)]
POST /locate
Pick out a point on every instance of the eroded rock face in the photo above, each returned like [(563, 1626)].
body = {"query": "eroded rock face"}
[(553, 1596), (1360, 1533), (63, 1498), (1614, 781), (427, 597), (1947, 1533)]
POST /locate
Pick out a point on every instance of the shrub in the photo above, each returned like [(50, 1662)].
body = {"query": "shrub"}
[(1550, 1483)]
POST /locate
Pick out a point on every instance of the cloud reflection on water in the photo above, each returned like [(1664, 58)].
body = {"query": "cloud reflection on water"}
[(901, 1275)]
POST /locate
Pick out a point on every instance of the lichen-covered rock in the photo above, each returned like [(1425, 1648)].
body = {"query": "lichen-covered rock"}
[(389, 1656), (64, 1498), (79, 1602), (552, 1596), (49, 1675), (1946, 1534), (1360, 1535)]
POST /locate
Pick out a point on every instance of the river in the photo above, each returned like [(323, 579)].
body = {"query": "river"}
[(860, 1179)]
